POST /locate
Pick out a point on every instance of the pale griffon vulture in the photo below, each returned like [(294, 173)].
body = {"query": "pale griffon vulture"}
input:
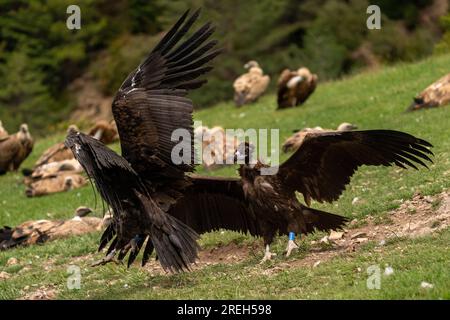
[(63, 181), (293, 142), (435, 95), (15, 149), (251, 85)]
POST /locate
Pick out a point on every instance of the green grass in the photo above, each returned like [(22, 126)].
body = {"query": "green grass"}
[(372, 101)]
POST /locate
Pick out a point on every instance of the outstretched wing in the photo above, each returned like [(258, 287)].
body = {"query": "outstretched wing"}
[(213, 203), (324, 163), (151, 103)]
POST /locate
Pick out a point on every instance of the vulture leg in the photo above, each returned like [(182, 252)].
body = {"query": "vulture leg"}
[(107, 259), (291, 244), (267, 254)]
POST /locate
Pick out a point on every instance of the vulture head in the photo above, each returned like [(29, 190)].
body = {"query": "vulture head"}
[(68, 183), (24, 133), (73, 127), (345, 126), (244, 153), (418, 103), (251, 64)]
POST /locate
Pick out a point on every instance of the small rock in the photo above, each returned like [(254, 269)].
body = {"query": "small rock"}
[(361, 240), (353, 222), (426, 285), (355, 201), (358, 269), (82, 211), (316, 263), (313, 242), (334, 235), (12, 261), (4, 275), (382, 242), (125, 286), (388, 271), (358, 235)]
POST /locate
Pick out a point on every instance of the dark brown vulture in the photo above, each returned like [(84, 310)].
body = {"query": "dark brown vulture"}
[(266, 205), (158, 201), (435, 95), (294, 87), (143, 183), (14, 149)]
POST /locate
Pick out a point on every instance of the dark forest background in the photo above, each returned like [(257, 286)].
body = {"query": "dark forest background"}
[(41, 60)]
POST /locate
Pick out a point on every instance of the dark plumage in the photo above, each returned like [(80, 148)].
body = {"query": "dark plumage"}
[(142, 184), (137, 217), (321, 167), (295, 87)]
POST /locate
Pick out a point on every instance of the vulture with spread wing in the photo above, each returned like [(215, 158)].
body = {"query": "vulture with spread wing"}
[(142, 184), (158, 204)]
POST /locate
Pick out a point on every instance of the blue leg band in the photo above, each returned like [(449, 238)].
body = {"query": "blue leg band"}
[(291, 236)]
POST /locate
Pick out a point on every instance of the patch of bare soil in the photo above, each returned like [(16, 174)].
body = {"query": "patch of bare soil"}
[(227, 254), (420, 216)]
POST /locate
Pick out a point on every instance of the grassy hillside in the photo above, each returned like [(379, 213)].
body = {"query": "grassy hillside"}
[(372, 101)]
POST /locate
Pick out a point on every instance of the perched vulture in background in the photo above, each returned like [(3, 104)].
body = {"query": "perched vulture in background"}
[(15, 149), (57, 152), (435, 95), (293, 142), (104, 131), (3, 133), (294, 87), (158, 204), (251, 85)]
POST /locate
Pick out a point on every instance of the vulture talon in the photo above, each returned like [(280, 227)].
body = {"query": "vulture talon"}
[(109, 258), (291, 246), (267, 255)]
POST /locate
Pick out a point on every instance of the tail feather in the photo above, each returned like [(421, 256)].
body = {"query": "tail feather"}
[(323, 221), (176, 246)]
